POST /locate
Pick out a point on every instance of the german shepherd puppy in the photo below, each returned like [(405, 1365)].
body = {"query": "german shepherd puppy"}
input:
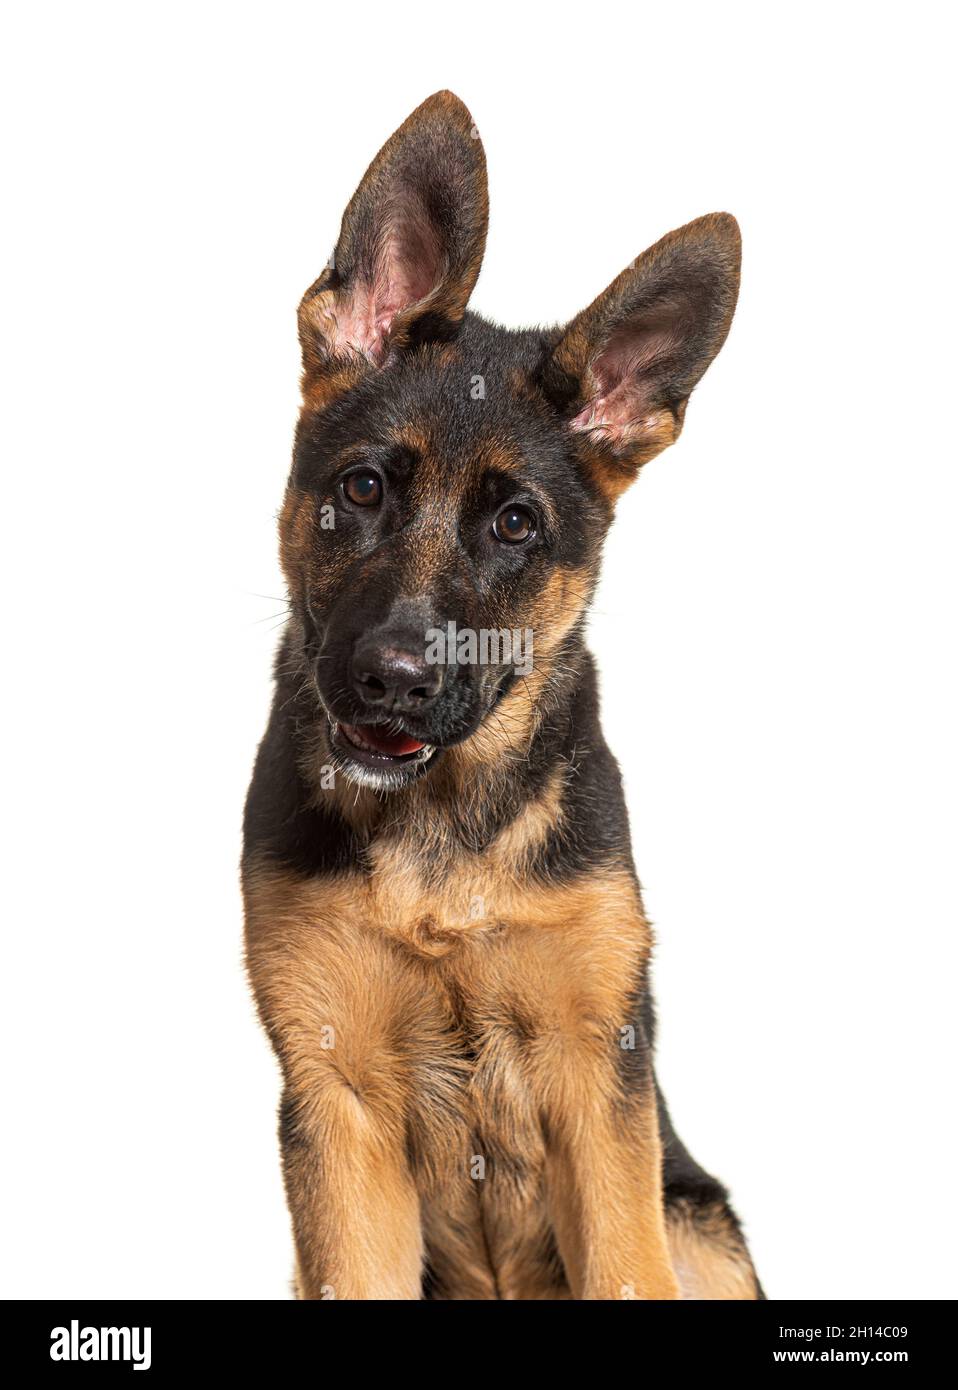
[(445, 933)]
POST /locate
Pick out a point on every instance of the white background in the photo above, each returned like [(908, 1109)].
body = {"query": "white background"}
[(775, 628)]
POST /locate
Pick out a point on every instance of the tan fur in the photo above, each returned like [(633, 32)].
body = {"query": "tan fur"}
[(402, 975), (612, 475), (507, 734), (297, 522), (709, 1257)]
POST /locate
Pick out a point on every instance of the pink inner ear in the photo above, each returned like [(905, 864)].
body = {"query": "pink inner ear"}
[(409, 266), (626, 372)]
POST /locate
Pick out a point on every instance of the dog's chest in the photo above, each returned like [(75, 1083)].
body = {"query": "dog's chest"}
[(470, 1002), (521, 1030), (522, 991), (430, 903), (463, 1016)]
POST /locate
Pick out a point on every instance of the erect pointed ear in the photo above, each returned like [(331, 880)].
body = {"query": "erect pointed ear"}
[(623, 369), (410, 246)]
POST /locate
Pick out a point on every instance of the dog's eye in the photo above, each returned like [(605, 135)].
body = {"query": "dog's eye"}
[(513, 525), (364, 488)]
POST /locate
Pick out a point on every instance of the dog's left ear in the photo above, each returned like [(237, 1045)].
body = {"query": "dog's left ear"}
[(623, 369)]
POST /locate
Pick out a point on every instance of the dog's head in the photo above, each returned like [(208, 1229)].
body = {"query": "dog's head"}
[(452, 481)]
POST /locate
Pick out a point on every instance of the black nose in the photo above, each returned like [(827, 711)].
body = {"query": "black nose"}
[(389, 674)]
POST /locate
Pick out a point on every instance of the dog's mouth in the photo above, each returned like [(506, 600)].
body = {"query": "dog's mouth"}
[(391, 757), (376, 742)]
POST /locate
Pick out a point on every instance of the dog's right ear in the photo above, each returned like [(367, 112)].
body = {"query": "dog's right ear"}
[(409, 249)]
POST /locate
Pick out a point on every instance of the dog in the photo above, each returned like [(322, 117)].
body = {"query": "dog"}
[(444, 930)]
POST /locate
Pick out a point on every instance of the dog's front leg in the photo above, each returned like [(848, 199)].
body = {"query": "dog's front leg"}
[(336, 999), (604, 1183), (355, 1209)]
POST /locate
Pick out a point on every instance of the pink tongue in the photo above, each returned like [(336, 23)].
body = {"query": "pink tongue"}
[(394, 745)]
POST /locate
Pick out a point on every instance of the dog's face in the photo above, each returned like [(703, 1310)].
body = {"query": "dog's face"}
[(452, 482)]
